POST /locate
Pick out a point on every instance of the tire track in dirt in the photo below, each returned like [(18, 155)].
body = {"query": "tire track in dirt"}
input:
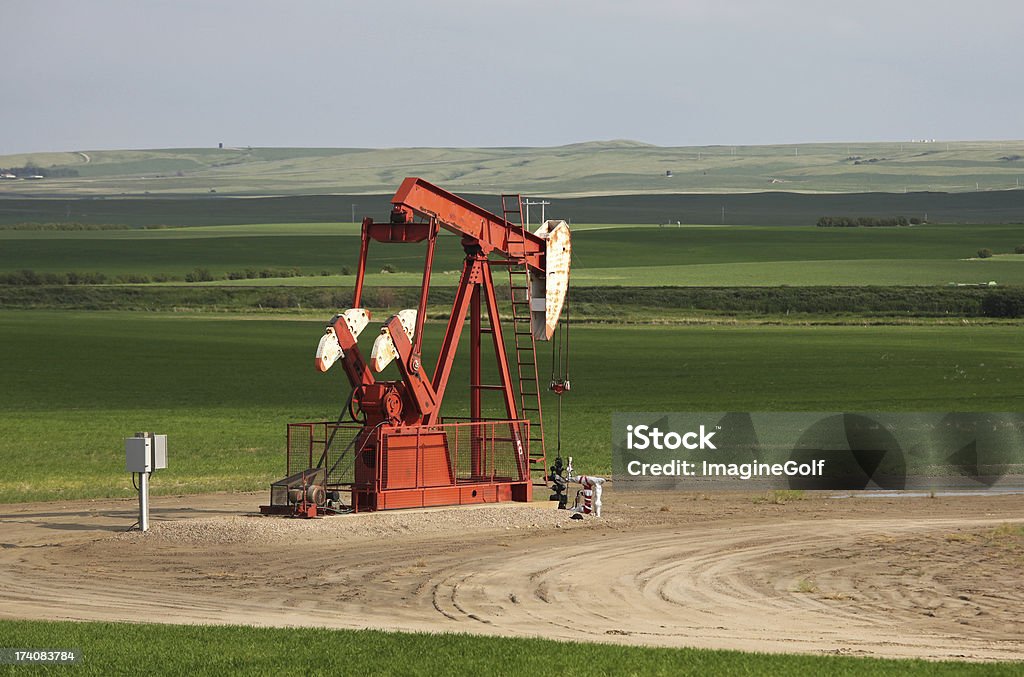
[(873, 583), (712, 590)]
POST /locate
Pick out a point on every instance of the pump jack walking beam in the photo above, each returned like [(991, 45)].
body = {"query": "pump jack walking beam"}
[(477, 226)]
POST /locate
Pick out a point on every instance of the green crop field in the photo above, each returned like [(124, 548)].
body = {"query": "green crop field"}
[(121, 648), (76, 383), (603, 254), (223, 387), (758, 208)]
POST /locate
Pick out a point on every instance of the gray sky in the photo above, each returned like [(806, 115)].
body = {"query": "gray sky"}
[(80, 75)]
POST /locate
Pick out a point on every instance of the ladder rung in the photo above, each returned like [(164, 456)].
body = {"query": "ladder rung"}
[(530, 409), (486, 386)]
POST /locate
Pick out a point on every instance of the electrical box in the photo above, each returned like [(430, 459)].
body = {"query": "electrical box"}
[(159, 452), (145, 452), (138, 454)]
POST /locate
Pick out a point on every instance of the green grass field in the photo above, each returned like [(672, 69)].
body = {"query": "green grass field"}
[(603, 254), (120, 648), (76, 383), (757, 208)]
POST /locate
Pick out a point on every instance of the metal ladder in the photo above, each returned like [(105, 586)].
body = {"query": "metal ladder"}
[(524, 344)]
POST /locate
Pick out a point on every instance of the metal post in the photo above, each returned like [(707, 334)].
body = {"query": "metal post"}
[(364, 246), (529, 203), (475, 379), (144, 501), (475, 408)]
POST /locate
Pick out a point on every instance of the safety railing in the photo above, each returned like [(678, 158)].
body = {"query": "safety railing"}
[(385, 457)]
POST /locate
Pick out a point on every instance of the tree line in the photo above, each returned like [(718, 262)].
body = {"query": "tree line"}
[(867, 222), (32, 170)]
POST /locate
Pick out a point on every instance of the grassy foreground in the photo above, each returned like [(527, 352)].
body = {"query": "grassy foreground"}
[(76, 383), (117, 648)]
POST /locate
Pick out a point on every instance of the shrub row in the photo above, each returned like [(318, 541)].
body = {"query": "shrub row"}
[(985, 252), (251, 274), (910, 301), (895, 301), (22, 278), (28, 277), (64, 226), (866, 222)]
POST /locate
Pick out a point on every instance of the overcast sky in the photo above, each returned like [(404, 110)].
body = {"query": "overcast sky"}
[(96, 74)]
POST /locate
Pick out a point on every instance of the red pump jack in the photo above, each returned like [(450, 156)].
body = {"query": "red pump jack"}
[(404, 453)]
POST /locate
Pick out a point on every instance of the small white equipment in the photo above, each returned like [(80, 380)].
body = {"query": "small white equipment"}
[(588, 499), (144, 453)]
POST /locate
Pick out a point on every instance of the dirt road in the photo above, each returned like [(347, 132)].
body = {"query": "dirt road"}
[(915, 577)]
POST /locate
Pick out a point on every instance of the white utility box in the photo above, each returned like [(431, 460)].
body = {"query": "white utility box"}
[(159, 452), (145, 452)]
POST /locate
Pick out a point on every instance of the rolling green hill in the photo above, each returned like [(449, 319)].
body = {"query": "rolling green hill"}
[(596, 168)]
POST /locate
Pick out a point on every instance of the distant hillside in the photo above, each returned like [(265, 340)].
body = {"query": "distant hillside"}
[(597, 168)]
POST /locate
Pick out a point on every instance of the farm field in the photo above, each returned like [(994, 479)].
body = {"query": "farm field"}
[(757, 209), (667, 570), (223, 388), (927, 255)]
